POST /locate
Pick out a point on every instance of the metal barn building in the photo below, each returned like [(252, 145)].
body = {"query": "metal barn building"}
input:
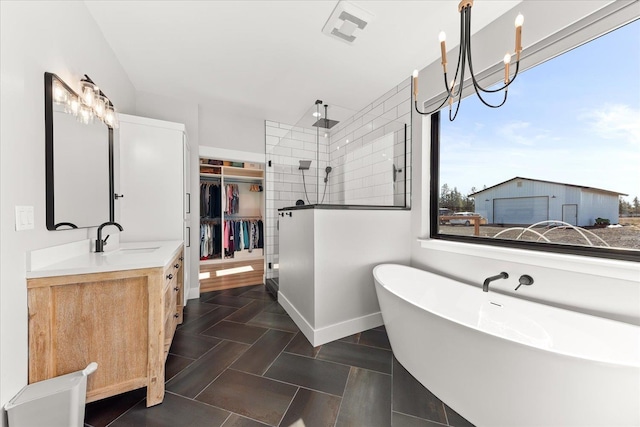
[(525, 201)]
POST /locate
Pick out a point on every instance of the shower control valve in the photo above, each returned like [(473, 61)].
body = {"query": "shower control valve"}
[(526, 280)]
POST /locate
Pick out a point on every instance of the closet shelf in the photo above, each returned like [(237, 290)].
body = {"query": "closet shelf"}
[(210, 219), (228, 260)]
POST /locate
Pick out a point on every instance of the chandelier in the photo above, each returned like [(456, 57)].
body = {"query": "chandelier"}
[(454, 87)]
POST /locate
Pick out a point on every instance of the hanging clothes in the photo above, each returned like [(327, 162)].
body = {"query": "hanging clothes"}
[(210, 200), (231, 199), (210, 240)]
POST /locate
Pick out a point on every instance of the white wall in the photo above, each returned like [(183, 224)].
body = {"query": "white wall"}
[(222, 127), (608, 288), (36, 37)]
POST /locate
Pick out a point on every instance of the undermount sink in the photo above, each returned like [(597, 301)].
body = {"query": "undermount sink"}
[(132, 251)]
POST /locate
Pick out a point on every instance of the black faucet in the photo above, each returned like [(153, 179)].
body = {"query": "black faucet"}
[(485, 285), (99, 242)]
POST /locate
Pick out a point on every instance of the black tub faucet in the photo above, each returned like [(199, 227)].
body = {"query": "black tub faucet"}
[(485, 285), (99, 242)]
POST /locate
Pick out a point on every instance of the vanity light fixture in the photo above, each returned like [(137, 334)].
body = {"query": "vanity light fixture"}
[(91, 102), (100, 105), (464, 56)]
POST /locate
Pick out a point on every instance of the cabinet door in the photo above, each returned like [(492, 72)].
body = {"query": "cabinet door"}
[(152, 181), (186, 255), (188, 197)]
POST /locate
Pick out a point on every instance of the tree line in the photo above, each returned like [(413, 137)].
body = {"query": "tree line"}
[(456, 201), (629, 208)]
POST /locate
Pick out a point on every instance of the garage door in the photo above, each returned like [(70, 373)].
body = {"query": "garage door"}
[(521, 210)]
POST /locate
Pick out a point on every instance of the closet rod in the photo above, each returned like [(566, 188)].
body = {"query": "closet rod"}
[(210, 178), (232, 217)]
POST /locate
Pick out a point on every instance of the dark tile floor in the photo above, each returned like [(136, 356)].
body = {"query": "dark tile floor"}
[(238, 360)]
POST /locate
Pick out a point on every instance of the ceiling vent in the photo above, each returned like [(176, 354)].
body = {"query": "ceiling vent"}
[(346, 22)]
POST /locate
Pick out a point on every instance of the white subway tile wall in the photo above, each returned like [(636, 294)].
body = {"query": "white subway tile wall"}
[(363, 152)]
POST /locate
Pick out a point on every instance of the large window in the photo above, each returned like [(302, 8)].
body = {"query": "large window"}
[(558, 167)]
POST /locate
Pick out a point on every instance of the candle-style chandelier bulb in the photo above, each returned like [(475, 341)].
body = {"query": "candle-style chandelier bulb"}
[(464, 58)]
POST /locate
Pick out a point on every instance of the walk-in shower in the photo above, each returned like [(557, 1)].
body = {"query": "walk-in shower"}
[(334, 157)]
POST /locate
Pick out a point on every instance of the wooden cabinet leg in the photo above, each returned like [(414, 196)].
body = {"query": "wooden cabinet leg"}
[(155, 386)]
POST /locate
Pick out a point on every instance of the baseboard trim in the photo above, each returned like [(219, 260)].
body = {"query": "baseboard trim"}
[(347, 328), (333, 332), (297, 318), (194, 293)]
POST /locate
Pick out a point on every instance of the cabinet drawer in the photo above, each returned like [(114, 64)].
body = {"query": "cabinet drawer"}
[(169, 329), (170, 297)]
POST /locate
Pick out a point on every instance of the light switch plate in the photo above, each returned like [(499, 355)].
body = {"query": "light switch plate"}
[(24, 218)]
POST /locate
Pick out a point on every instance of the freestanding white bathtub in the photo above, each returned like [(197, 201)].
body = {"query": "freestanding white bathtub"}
[(502, 361)]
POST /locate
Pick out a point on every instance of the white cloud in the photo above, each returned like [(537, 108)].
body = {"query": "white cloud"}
[(615, 121)]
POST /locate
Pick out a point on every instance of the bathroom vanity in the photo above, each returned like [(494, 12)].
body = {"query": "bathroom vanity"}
[(119, 309)]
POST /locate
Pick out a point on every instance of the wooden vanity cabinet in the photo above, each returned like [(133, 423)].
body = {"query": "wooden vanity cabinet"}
[(123, 320)]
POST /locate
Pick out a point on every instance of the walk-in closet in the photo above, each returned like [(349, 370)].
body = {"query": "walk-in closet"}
[(231, 224)]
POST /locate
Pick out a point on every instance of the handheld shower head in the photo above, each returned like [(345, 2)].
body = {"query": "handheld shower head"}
[(327, 170)]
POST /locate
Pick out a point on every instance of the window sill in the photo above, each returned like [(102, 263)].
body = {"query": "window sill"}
[(617, 269)]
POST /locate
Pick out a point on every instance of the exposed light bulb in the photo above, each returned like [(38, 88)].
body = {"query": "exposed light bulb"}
[(60, 94), (519, 20), (507, 59), (415, 74), (347, 141), (110, 116), (99, 107), (88, 93), (316, 114), (442, 36)]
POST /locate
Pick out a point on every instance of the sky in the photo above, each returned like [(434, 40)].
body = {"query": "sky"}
[(574, 119)]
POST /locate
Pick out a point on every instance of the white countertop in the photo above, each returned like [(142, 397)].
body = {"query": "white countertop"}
[(129, 256)]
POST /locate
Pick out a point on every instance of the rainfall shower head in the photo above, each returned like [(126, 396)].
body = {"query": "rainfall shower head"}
[(304, 165), (325, 122)]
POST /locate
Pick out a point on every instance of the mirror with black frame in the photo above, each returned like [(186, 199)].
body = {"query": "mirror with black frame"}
[(79, 162)]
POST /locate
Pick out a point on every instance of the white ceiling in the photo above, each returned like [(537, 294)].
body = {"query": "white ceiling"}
[(270, 59)]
